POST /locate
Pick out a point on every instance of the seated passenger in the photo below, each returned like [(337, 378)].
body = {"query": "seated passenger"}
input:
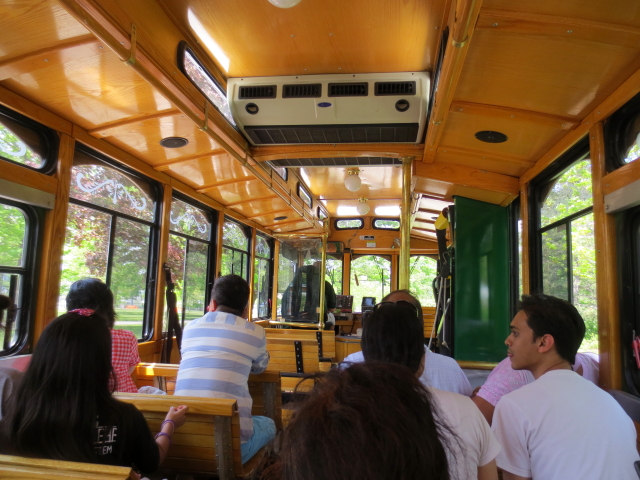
[(219, 351), (370, 421), (440, 371), (504, 379), (63, 409), (94, 294), (394, 335), (9, 377), (561, 425)]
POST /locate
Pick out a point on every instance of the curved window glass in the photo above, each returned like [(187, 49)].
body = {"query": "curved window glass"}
[(25, 142), (622, 135), (349, 223), (235, 250), (422, 271), (111, 226), (370, 277), (262, 279), (188, 256), (568, 194), (386, 224)]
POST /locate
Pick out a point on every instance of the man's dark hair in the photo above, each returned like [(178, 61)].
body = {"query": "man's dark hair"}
[(394, 334), (558, 318), (231, 291)]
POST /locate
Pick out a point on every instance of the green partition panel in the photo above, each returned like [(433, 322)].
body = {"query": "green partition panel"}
[(481, 286)]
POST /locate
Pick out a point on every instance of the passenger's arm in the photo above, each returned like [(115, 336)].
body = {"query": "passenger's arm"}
[(485, 407), (259, 364), (488, 471), (511, 476), (175, 419)]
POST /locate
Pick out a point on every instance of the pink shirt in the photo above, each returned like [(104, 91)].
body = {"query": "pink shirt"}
[(504, 379), (124, 355)]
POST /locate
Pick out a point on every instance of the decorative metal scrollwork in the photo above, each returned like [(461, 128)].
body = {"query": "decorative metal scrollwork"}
[(112, 186), (189, 219)]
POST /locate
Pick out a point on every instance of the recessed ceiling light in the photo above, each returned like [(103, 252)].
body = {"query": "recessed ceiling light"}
[(283, 217), (388, 210), (173, 142), (489, 136)]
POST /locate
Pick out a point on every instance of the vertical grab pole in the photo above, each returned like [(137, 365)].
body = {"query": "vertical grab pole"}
[(323, 261), (11, 312), (405, 224)]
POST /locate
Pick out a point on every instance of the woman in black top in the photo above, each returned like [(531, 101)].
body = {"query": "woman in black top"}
[(63, 408)]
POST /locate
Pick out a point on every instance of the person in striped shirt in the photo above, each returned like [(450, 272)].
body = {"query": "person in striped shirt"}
[(219, 351)]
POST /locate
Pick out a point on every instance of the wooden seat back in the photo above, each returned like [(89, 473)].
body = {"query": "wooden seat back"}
[(13, 467), (326, 341), (264, 388), (293, 358), (209, 441), (429, 316)]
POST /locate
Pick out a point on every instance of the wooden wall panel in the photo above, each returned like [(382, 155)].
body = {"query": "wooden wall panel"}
[(208, 170)]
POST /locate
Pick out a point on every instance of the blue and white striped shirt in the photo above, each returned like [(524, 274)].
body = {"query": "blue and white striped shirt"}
[(219, 351)]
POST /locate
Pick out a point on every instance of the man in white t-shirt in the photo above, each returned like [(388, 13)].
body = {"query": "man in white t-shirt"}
[(440, 371), (394, 335), (561, 426)]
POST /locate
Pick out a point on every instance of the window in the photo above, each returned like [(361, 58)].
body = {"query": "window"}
[(26, 142), (112, 234), (201, 78), (622, 135), (333, 272), (281, 171), (190, 257), (370, 277), (235, 250), (565, 239), (18, 239), (422, 271), (386, 224), (304, 195), (262, 279), (321, 215), (349, 223)]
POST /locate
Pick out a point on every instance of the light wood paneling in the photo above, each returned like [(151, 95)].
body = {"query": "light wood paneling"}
[(380, 182), (446, 191), (207, 170), (161, 284), (514, 167), (255, 207), (333, 205), (466, 176), (525, 274), (332, 36), (390, 150)]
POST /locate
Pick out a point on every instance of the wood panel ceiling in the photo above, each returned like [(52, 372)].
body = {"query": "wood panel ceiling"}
[(531, 70)]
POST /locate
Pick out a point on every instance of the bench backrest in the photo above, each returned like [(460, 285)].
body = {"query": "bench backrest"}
[(264, 388), (326, 344), (209, 441), (13, 467), (429, 316), (293, 358)]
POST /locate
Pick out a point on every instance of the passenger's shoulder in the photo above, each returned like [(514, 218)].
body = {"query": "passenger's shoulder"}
[(442, 360)]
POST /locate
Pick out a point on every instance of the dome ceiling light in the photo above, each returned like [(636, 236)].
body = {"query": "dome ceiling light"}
[(284, 3), (363, 206), (352, 182)]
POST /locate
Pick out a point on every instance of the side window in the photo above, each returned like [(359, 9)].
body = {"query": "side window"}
[(111, 228), (422, 271), (262, 278), (18, 239), (565, 240), (333, 274), (189, 256), (370, 277), (235, 250), (622, 135)]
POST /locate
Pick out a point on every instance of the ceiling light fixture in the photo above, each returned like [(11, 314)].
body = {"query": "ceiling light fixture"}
[(352, 182), (284, 3), (363, 206)]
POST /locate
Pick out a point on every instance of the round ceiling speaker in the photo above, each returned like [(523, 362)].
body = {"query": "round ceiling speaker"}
[(352, 182), (252, 108), (489, 136), (363, 208), (283, 217), (174, 142), (402, 105)]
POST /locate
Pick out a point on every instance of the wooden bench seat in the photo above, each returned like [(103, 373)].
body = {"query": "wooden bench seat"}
[(209, 441), (13, 467), (429, 316), (326, 339), (294, 358), (264, 388)]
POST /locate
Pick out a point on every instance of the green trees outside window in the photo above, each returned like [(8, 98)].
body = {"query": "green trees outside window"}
[(422, 271), (262, 279), (370, 277), (235, 250)]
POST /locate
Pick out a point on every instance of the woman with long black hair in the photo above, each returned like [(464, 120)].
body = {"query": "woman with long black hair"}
[(64, 410)]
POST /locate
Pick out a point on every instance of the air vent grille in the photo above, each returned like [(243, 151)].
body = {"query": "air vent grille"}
[(395, 88), (295, 134), (348, 89), (258, 91), (313, 90), (336, 162)]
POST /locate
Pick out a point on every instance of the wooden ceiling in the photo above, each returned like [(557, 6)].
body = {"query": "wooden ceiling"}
[(531, 70)]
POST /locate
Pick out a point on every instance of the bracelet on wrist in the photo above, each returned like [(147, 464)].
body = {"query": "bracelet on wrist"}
[(168, 421), (162, 434)]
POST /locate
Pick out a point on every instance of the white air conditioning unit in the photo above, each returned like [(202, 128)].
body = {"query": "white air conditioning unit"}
[(363, 108)]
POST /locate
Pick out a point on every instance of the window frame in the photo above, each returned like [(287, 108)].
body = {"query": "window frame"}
[(211, 249), (34, 219), (361, 219), (271, 242), (148, 324), (47, 136), (375, 219), (551, 174), (614, 130), (247, 233), (303, 189)]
